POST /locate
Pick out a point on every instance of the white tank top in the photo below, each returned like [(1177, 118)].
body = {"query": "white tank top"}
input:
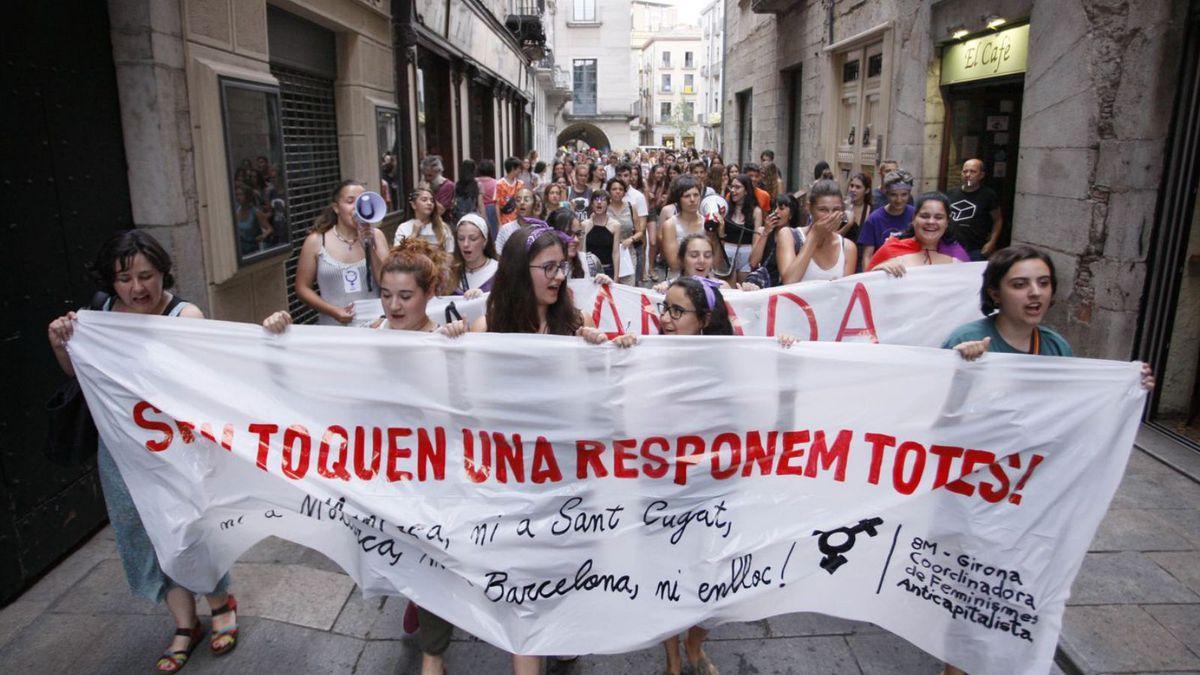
[(838, 270)]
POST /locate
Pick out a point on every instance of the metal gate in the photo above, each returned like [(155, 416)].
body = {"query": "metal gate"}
[(63, 172), (310, 155)]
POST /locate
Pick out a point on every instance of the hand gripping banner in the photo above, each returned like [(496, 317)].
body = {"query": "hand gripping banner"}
[(555, 497), (920, 308)]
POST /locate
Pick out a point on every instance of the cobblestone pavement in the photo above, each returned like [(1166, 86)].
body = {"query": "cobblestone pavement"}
[(1135, 608)]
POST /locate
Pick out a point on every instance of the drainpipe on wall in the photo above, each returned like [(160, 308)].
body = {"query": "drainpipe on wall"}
[(724, 63)]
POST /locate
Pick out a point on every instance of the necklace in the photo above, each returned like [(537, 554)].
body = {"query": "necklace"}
[(928, 259), (348, 242), (478, 267)]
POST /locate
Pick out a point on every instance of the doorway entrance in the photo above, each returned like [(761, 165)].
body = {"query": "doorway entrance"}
[(983, 121)]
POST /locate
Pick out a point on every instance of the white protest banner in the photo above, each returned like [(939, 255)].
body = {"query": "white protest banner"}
[(551, 496), (918, 309)]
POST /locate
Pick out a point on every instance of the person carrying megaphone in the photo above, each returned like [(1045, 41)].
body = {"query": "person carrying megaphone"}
[(342, 255)]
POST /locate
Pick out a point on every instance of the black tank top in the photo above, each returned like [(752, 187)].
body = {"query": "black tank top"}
[(600, 242)]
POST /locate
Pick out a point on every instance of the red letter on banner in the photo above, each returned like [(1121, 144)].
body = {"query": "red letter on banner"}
[(648, 315), (859, 296), (773, 307), (603, 295), (139, 418)]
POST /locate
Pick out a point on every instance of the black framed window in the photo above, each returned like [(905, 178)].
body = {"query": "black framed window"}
[(387, 131), (257, 181), (745, 132)]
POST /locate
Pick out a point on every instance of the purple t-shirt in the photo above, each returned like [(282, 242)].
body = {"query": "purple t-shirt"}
[(880, 225), (445, 195)]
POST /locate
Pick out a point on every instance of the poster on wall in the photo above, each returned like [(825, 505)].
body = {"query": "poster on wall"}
[(997, 123)]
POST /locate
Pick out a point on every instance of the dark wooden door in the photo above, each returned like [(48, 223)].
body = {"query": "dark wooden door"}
[(66, 190)]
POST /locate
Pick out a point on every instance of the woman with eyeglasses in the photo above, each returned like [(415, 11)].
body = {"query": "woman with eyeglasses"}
[(584, 265), (694, 306)]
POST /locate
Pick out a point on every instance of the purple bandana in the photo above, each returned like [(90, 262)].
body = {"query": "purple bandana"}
[(539, 227), (709, 285)]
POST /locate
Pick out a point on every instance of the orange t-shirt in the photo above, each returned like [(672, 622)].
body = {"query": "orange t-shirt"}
[(503, 192)]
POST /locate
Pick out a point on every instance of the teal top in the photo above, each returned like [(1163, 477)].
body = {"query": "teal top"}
[(1050, 343)]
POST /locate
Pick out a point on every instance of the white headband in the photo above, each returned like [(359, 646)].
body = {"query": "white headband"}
[(476, 220)]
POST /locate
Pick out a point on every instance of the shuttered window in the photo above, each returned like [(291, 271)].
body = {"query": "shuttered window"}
[(310, 154)]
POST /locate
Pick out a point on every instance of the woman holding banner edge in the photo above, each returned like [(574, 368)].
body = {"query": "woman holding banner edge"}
[(1017, 291), (133, 271), (530, 295)]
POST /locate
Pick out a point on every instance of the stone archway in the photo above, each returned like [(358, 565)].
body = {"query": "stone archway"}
[(582, 134)]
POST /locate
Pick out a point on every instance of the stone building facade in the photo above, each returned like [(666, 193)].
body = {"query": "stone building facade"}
[(712, 54), (592, 41), (221, 127), (1072, 120), (670, 89)]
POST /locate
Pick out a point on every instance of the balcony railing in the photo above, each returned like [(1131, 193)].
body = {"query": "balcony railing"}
[(524, 21)]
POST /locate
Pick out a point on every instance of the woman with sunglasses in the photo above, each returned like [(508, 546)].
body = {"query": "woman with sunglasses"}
[(601, 232), (523, 205), (584, 265)]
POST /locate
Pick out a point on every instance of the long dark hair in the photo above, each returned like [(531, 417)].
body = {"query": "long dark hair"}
[(512, 306), (793, 206), (327, 217), (717, 317), (119, 251), (561, 220), (820, 169), (866, 181), (749, 201), (911, 232), (466, 188), (1000, 262)]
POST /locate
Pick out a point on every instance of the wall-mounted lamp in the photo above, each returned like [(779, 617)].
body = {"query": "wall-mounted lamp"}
[(960, 33), (995, 22)]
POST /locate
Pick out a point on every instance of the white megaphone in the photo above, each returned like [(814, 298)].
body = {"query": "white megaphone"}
[(369, 208)]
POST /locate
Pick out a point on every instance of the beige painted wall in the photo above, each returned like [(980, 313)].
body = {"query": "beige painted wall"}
[(229, 37)]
